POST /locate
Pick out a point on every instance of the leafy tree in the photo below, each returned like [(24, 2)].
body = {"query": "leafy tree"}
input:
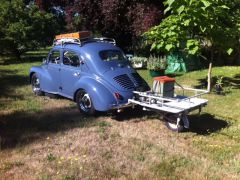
[(141, 17), (121, 19), (84, 14), (196, 24), (45, 5), (24, 27)]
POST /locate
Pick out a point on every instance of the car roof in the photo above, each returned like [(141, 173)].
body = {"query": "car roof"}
[(90, 51)]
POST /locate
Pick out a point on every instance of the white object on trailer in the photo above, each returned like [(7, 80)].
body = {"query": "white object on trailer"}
[(174, 109)]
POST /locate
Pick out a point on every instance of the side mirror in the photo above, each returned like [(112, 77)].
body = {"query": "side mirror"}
[(44, 61), (81, 62), (129, 56)]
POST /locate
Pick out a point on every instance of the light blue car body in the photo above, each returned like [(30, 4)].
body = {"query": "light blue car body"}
[(100, 79)]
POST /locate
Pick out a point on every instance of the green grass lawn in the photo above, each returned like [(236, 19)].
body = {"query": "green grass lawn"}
[(44, 138)]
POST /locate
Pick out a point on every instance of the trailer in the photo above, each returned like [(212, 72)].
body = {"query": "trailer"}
[(172, 106)]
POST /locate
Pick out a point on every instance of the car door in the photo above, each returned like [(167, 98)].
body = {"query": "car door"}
[(70, 72), (54, 68)]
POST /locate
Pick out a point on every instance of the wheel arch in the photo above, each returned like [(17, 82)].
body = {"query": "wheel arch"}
[(30, 76), (75, 94), (101, 96), (35, 70)]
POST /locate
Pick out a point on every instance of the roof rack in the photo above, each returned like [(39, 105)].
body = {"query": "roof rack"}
[(74, 38), (80, 38), (105, 39)]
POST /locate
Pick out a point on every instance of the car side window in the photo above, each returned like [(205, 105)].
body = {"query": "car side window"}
[(54, 57), (71, 58)]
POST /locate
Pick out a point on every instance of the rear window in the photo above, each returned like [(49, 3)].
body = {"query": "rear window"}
[(112, 55)]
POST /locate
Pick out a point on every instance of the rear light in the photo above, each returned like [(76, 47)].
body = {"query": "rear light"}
[(118, 96)]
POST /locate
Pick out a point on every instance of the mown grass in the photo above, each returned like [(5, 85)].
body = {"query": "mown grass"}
[(44, 138)]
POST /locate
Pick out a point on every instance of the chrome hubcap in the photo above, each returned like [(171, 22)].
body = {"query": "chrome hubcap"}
[(85, 102), (172, 125), (36, 85), (173, 121)]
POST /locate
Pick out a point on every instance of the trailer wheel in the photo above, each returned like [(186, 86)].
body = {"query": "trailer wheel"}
[(174, 122)]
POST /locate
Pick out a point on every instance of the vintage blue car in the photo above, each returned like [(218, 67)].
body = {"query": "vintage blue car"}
[(94, 73)]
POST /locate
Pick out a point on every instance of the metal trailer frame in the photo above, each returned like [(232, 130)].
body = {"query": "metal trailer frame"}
[(174, 109)]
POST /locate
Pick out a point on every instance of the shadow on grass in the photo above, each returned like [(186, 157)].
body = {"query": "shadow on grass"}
[(227, 82), (24, 59), (28, 57), (9, 80), (173, 75), (233, 82), (130, 114), (205, 124), (21, 128), (34, 58)]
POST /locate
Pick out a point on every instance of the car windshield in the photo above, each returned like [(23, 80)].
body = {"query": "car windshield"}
[(112, 55)]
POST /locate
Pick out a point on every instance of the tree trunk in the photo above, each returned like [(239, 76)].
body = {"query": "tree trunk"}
[(17, 54), (209, 78)]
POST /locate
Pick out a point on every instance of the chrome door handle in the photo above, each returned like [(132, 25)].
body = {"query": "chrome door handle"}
[(77, 74)]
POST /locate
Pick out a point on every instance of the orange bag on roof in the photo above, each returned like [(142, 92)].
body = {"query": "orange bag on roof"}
[(76, 35)]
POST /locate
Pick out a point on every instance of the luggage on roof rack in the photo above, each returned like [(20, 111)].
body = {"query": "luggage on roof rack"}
[(76, 35), (80, 38)]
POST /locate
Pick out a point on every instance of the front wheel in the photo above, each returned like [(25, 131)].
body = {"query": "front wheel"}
[(174, 122), (36, 85), (84, 103)]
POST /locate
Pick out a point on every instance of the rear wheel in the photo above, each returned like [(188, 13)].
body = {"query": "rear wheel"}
[(84, 103), (36, 85), (174, 122)]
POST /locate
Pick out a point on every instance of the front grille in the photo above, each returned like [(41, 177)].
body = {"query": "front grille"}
[(124, 81), (138, 80)]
